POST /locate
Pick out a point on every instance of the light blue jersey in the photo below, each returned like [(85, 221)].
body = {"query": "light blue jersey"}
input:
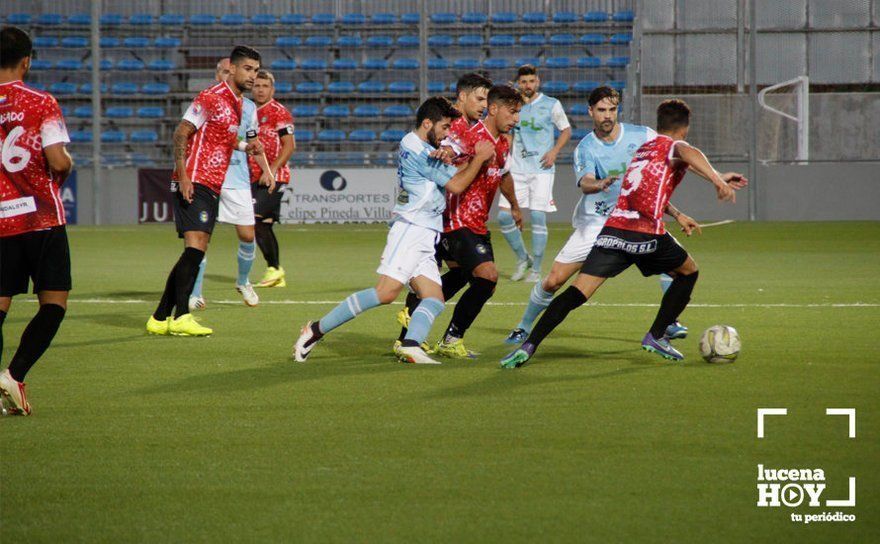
[(603, 159), (238, 176), (421, 199), (534, 135)]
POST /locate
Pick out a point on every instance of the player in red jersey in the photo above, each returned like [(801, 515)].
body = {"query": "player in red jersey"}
[(33, 241), (276, 135), (635, 234), (203, 145)]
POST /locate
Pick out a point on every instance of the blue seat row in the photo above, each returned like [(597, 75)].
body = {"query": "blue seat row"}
[(494, 63), (107, 42), (341, 111), (119, 88), (125, 65), (115, 136), (359, 135), (446, 40), (120, 112)]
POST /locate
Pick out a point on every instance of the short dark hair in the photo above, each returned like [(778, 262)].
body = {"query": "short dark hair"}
[(505, 94), (436, 108), (672, 114), (601, 93), (526, 70), (266, 74), (242, 52), (470, 82), (15, 45)]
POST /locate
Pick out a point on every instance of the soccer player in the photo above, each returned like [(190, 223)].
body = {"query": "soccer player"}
[(408, 258), (33, 238), (203, 145), (236, 205), (635, 234), (533, 169), (599, 161), (276, 135)]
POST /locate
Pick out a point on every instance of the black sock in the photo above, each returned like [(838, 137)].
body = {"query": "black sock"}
[(412, 302), (268, 243), (675, 300), (469, 306), (555, 314), (36, 339), (166, 303), (453, 281), (2, 319), (185, 277)]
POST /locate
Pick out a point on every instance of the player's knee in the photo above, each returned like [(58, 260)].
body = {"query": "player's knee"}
[(387, 296), (490, 275), (552, 283)]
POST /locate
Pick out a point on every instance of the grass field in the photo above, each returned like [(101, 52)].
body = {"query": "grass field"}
[(160, 439)]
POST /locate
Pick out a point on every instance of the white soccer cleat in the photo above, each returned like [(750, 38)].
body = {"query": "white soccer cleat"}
[(305, 343), (196, 304), (521, 268), (533, 277), (415, 355), (13, 395), (248, 294)]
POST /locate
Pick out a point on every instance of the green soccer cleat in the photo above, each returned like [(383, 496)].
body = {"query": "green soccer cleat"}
[(403, 317), (273, 277), (186, 325), (515, 359), (159, 328), (426, 347), (454, 349)]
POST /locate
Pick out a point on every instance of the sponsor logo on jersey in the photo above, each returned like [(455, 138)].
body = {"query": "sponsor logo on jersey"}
[(633, 248)]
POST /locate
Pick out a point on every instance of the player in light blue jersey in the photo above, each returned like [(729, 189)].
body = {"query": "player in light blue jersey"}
[(408, 258), (600, 161), (533, 169), (236, 203)]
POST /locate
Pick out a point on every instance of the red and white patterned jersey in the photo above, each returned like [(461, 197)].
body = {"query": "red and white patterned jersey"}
[(455, 138), (30, 121), (216, 114), (651, 177), (274, 120), (470, 209)]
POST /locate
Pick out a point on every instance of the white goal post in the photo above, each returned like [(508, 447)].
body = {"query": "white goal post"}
[(802, 118)]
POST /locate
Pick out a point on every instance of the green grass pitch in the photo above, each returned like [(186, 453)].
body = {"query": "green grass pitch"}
[(137, 438)]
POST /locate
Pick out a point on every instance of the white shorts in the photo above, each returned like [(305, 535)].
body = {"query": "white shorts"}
[(533, 191), (236, 207), (409, 253), (580, 243)]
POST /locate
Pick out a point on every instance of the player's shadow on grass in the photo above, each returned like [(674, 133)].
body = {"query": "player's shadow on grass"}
[(118, 320), (130, 294), (586, 336), (220, 278)]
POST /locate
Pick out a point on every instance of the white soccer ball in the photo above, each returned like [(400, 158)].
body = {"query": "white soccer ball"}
[(720, 344)]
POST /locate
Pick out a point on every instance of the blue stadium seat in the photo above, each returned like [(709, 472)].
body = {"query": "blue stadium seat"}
[(151, 112), (349, 41), (81, 136), (408, 41), (86, 88), (532, 39), (402, 87), (393, 135), (156, 89), (496, 63), (371, 87), (589, 62), (585, 87), (534, 61), (398, 110), (435, 87), (280, 65), (50, 19), (119, 112), (376, 64), (622, 38), (139, 19), (452, 86), (233, 19), (38, 86), (438, 64), (112, 19), (136, 42), (82, 111), (595, 17), (75, 41), (466, 64), (580, 109), (202, 19), (323, 19), (504, 17), (62, 87), (261, 19), (410, 18), (43, 42), (110, 42), (354, 19), (535, 17), (562, 39), (554, 87), (19, 19), (579, 134), (367, 111), (341, 87), (130, 65), (171, 19), (161, 65), (313, 64), (69, 64), (345, 64), (440, 40), (331, 135), (113, 137), (564, 17), (617, 85), (444, 18), (141, 159), (283, 87), (383, 19), (309, 87), (294, 19), (106, 64), (124, 87), (502, 40), (307, 110), (362, 135), (318, 41), (405, 64), (336, 111), (41, 64), (617, 62), (470, 40), (380, 41), (624, 16), (303, 135), (558, 62), (592, 39), (167, 42), (474, 18), (288, 41)]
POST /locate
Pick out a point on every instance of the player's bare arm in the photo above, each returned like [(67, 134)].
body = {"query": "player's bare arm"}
[(687, 223), (182, 134), (509, 192), (549, 158), (60, 161), (484, 151), (589, 184), (288, 146), (725, 184), (255, 148)]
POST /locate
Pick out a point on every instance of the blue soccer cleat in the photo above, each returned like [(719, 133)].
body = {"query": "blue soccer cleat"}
[(518, 357), (516, 336), (661, 347), (676, 331)]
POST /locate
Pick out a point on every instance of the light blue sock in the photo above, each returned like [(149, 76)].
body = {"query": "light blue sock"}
[(539, 238), (512, 235), (246, 252), (422, 319), (665, 282), (539, 299), (348, 309), (197, 286)]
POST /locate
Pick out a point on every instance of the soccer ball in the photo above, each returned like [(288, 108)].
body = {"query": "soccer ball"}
[(720, 344)]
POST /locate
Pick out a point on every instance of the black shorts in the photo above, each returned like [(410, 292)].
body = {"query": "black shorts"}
[(200, 214), (267, 205), (466, 248), (616, 249), (42, 256)]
